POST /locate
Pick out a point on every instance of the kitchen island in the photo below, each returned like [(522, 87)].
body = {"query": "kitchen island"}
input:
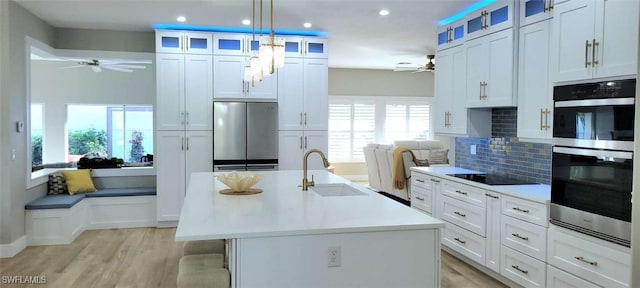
[(286, 237)]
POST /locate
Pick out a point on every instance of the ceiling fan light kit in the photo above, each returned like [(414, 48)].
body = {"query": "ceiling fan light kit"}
[(119, 65)]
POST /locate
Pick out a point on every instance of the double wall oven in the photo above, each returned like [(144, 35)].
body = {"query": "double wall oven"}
[(592, 161)]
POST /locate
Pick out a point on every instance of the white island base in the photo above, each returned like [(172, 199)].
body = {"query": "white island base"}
[(285, 237)]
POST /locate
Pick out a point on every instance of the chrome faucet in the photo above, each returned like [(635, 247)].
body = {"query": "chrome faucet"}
[(305, 182)]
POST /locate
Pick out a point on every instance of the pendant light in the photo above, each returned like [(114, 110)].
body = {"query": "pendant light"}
[(271, 49)]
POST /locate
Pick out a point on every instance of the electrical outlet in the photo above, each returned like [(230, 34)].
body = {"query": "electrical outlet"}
[(335, 257), (473, 149)]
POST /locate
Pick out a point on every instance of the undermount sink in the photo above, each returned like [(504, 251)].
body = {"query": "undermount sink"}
[(340, 189)]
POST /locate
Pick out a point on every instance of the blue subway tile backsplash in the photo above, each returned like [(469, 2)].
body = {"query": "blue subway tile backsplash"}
[(503, 153)]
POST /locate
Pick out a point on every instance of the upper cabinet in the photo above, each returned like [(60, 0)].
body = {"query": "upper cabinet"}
[(303, 94), (490, 70), (307, 47), (594, 39), (450, 35), (493, 18), (235, 44), (186, 42), (228, 80), (532, 11)]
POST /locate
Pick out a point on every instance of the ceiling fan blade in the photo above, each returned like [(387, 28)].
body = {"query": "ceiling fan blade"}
[(400, 69), (74, 66), (117, 69), (125, 66)]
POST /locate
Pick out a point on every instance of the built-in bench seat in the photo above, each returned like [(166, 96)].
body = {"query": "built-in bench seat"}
[(59, 219)]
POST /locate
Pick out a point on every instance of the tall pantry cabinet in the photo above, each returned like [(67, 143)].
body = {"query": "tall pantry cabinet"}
[(184, 115)]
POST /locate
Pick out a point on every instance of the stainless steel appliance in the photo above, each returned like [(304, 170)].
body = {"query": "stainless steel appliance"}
[(592, 159), (245, 136)]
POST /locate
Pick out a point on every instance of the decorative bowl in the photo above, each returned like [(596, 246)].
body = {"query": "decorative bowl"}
[(239, 181)]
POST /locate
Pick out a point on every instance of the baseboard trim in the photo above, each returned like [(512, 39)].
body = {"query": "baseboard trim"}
[(12, 249)]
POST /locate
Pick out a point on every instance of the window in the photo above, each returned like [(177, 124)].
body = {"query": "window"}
[(36, 134), (120, 131), (355, 121)]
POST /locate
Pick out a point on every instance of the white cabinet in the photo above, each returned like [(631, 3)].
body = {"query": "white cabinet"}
[(451, 117), (492, 250), (557, 278), (235, 44), (451, 35), (594, 39), (228, 80), (178, 154), (183, 42), (293, 144), (423, 190), (495, 17), (535, 99), (306, 47), (303, 94), (490, 69), (532, 11), (523, 269), (534, 212), (184, 92)]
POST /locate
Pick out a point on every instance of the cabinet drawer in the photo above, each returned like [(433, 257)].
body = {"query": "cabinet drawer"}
[(465, 215), (522, 269), (421, 180), (524, 237), (557, 278), (464, 242), (594, 259), (526, 210), (465, 193), (421, 200)]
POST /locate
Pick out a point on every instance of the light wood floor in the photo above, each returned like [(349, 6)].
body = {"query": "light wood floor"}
[(148, 257)]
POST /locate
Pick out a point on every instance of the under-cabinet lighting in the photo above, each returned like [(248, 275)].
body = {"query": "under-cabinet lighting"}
[(237, 30)]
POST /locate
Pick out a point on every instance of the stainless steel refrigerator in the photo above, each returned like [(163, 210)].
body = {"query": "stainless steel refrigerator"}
[(245, 136)]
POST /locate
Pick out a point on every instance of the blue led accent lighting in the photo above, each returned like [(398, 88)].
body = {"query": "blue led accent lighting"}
[(474, 25), (229, 44), (171, 42), (533, 7), (198, 43), (500, 15), (442, 37), (458, 32), (316, 48), (255, 45), (465, 11), (291, 47), (238, 30)]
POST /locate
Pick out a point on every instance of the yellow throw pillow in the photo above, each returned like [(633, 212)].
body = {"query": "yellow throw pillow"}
[(78, 181)]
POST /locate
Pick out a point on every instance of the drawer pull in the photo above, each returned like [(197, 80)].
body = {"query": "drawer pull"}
[(580, 258), (420, 198), (461, 241), (421, 181), (461, 192), (434, 180), (459, 214), (521, 210), (519, 269), (492, 196), (521, 237)]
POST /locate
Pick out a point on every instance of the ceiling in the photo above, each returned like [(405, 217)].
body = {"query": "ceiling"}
[(358, 36)]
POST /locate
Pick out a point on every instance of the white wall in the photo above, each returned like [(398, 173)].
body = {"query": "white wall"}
[(90, 39), (19, 23), (55, 88), (367, 82)]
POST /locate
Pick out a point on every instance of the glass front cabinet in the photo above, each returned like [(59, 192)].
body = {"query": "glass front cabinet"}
[(495, 17), (184, 42)]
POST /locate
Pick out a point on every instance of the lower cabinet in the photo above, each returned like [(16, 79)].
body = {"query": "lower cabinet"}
[(557, 278), (522, 269), (178, 154), (464, 242), (293, 144)]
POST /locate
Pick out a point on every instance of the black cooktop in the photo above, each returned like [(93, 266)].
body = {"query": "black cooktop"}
[(491, 179)]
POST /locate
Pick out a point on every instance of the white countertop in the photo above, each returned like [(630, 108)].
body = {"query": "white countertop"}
[(534, 192), (284, 209)]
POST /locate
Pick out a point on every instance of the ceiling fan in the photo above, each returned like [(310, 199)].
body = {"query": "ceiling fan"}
[(430, 66), (120, 65)]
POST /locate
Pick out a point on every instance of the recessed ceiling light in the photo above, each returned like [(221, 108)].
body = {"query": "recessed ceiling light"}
[(246, 22), (307, 25), (181, 19), (384, 12)]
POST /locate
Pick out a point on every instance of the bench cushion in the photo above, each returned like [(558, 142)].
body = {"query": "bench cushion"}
[(54, 202), (117, 192)]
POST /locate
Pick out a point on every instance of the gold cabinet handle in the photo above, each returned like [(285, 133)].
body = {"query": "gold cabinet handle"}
[(547, 112), (587, 45), (187, 143), (519, 269), (492, 196), (434, 180), (459, 214), (305, 142), (484, 19), (182, 118), (520, 210), (521, 237), (594, 61), (480, 96), (420, 180), (484, 90), (420, 198), (546, 7), (305, 118), (461, 241), (461, 192), (551, 4), (182, 141), (300, 142), (592, 263), (541, 113)]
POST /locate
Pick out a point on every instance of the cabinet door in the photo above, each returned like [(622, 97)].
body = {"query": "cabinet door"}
[(534, 88), (477, 65), (532, 11), (169, 161), (198, 80), (265, 89), (170, 114), (572, 31), (493, 231), (500, 16), (316, 140), (198, 43), (230, 44), (443, 90), (170, 41), (291, 88), (498, 90), (316, 94), (557, 278), (458, 111), (315, 48), (290, 147), (228, 77), (199, 153), (618, 38)]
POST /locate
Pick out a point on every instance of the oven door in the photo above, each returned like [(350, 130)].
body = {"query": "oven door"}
[(599, 123), (591, 189)]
